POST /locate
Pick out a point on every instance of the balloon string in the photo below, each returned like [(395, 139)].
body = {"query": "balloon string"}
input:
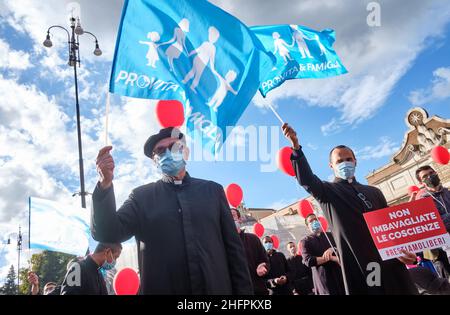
[(317, 214), (329, 241)]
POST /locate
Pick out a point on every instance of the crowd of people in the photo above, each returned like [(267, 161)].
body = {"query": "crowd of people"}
[(190, 242)]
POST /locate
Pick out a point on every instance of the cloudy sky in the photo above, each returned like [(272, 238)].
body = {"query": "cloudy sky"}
[(402, 63)]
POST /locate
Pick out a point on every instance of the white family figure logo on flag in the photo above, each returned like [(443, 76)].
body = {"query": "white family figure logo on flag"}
[(322, 48), (281, 48), (174, 51), (224, 86), (152, 53), (299, 38), (205, 54), (178, 42)]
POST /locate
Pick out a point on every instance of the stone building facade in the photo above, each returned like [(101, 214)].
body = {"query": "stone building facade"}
[(423, 134)]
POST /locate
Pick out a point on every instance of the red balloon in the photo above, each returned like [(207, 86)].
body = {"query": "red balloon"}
[(275, 240), (324, 223), (412, 189), (170, 113), (126, 282), (305, 208), (258, 229), (440, 155), (234, 194), (284, 161)]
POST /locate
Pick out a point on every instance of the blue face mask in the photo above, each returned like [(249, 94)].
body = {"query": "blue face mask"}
[(109, 265), (171, 163), (345, 170), (315, 226), (268, 246)]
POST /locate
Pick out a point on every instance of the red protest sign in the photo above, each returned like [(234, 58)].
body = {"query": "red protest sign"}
[(413, 226)]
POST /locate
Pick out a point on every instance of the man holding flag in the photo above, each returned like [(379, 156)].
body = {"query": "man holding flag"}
[(343, 202)]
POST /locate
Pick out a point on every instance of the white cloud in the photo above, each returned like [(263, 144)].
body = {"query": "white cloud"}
[(38, 150), (439, 89), (385, 147), (13, 59)]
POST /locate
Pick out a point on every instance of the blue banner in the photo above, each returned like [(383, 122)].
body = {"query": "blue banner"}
[(194, 52), (300, 53)]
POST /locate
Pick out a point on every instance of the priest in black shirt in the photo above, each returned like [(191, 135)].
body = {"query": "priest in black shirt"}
[(277, 278), (300, 275), (320, 256), (84, 276), (343, 202), (257, 260), (191, 216)]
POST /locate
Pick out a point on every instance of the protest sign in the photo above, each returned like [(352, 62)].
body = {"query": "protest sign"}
[(413, 226)]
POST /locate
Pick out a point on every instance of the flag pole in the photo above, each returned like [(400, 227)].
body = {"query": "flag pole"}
[(107, 116), (275, 113)]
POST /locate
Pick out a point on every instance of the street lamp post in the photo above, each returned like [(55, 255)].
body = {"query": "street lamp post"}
[(74, 58), (19, 249)]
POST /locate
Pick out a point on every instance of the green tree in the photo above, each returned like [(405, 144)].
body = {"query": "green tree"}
[(10, 286), (49, 266)]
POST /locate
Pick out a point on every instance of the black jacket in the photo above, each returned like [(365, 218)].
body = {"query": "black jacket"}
[(344, 212), (300, 275), (90, 282), (256, 255), (190, 242), (328, 276), (278, 267)]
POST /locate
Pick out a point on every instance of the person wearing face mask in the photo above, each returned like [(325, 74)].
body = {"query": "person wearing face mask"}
[(186, 236), (277, 277), (432, 187), (300, 275), (84, 276), (257, 260), (343, 202), (321, 258)]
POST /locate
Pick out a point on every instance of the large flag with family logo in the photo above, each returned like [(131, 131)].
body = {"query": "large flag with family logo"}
[(300, 53), (58, 227), (194, 52)]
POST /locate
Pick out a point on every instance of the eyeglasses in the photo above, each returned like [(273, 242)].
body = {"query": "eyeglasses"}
[(364, 199), (176, 147)]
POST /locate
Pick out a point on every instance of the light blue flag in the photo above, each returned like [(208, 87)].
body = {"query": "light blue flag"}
[(300, 52), (58, 227), (194, 52)]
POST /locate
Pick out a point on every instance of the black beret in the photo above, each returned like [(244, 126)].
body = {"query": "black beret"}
[(169, 132)]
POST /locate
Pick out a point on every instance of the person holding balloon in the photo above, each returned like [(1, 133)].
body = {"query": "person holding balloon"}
[(257, 260), (277, 277), (186, 236), (343, 202), (320, 257)]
